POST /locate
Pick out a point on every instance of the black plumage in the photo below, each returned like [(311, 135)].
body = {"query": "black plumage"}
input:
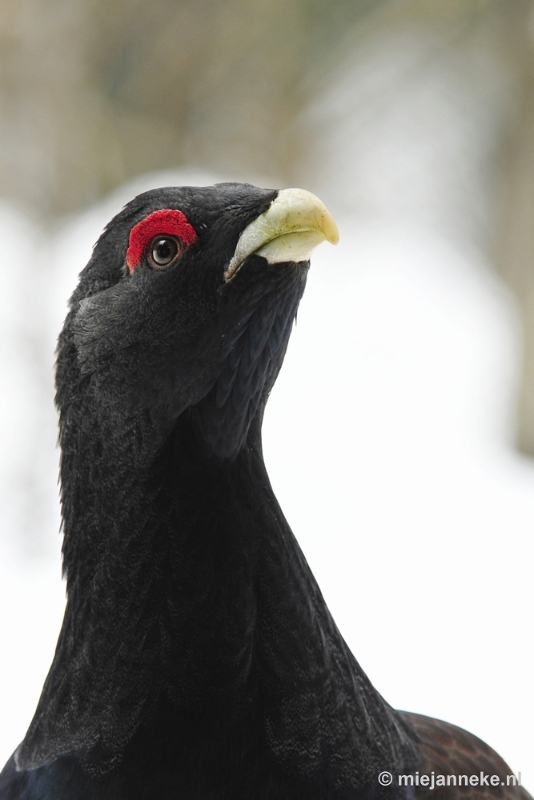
[(197, 657)]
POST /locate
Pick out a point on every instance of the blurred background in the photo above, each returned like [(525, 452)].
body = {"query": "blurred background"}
[(400, 435)]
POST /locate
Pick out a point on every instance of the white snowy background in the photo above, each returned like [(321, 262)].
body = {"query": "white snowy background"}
[(389, 436)]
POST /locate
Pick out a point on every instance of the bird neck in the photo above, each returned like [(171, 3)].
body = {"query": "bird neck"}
[(148, 501), (187, 557), (189, 599)]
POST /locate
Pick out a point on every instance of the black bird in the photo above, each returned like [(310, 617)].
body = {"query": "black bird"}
[(197, 658)]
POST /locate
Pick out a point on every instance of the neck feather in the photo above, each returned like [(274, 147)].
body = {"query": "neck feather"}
[(188, 588)]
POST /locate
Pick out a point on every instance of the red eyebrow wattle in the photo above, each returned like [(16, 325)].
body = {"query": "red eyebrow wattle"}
[(165, 221)]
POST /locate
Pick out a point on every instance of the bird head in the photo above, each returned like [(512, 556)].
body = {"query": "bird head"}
[(186, 307)]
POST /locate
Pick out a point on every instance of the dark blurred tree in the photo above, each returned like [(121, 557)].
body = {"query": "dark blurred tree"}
[(515, 243)]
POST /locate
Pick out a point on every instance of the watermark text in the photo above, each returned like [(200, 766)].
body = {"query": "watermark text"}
[(432, 779)]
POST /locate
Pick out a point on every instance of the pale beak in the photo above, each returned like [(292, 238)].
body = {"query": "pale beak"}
[(295, 223)]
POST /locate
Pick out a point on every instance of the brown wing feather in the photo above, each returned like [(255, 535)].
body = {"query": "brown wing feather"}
[(448, 750)]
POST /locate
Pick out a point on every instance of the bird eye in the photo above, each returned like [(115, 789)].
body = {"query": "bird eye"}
[(163, 251)]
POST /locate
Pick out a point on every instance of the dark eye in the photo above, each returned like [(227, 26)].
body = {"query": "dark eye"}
[(163, 250)]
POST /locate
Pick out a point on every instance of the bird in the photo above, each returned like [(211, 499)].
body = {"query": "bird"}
[(197, 657)]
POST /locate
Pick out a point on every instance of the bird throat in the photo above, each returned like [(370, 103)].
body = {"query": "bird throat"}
[(257, 317)]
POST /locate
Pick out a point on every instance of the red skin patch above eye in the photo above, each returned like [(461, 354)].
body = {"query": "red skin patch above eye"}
[(165, 221)]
